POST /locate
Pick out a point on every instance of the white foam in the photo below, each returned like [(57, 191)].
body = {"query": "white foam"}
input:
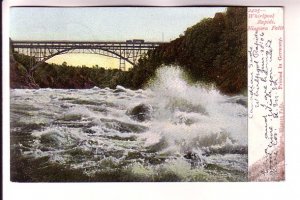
[(182, 115), (169, 84)]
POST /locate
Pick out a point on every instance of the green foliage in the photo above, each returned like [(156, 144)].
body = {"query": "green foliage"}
[(65, 76), (24, 60), (212, 51)]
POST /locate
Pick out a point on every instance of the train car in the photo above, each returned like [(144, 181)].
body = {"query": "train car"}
[(128, 41), (138, 41)]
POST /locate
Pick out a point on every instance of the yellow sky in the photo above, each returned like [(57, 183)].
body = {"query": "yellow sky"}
[(77, 59)]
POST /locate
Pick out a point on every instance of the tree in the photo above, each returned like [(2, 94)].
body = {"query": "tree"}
[(64, 64)]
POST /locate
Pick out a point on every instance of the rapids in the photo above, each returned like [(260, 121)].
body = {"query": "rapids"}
[(169, 131)]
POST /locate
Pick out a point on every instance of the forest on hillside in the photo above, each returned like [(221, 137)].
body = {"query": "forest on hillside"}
[(212, 51), (62, 76)]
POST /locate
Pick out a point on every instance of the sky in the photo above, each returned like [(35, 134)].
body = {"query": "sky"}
[(103, 23)]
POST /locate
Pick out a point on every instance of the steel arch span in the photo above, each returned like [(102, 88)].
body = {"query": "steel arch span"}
[(129, 51)]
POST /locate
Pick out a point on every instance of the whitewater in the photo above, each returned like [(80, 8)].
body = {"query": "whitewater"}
[(170, 131)]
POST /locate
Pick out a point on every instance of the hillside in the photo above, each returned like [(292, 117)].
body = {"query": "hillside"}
[(19, 76), (213, 51)]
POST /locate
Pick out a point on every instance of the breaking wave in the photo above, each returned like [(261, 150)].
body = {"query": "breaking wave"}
[(170, 131)]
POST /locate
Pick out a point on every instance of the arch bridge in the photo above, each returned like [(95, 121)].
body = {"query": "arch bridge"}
[(126, 51)]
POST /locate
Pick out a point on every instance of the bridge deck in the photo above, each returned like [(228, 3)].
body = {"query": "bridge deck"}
[(34, 44), (43, 50)]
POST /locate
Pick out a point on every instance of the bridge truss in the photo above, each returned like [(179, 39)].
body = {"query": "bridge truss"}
[(42, 51)]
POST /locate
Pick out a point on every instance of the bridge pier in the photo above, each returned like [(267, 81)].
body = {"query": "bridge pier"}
[(122, 64), (126, 51)]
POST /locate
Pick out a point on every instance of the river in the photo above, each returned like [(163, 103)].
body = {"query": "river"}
[(170, 131)]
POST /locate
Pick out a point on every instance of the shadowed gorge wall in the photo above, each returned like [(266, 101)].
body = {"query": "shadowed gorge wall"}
[(212, 51)]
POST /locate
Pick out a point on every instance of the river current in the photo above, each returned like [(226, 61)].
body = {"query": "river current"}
[(170, 131)]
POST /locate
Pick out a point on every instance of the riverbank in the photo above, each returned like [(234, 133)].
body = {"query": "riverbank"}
[(213, 52)]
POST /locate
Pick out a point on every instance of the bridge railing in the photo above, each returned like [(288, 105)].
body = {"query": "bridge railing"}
[(124, 50)]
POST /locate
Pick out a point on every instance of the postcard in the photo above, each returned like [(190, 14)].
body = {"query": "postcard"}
[(146, 94)]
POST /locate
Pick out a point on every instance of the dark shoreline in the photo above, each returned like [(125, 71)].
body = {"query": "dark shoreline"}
[(213, 51)]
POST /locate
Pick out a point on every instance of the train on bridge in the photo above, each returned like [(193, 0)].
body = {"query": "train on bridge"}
[(135, 41), (128, 50)]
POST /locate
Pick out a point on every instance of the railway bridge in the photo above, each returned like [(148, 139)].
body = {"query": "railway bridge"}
[(126, 51)]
